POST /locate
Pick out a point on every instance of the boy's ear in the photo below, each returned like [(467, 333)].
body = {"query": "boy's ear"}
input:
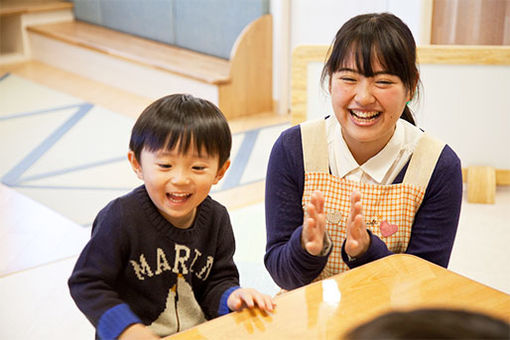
[(221, 171), (135, 165)]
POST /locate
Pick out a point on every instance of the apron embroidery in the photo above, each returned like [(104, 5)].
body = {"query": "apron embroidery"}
[(388, 229)]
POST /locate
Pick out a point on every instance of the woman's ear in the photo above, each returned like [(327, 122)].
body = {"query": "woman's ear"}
[(135, 165), (221, 171), (414, 87)]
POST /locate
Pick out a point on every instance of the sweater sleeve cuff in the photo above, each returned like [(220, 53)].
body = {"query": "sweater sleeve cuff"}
[(377, 250), (305, 257), (115, 320), (223, 308)]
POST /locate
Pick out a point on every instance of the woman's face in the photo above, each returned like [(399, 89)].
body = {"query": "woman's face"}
[(367, 108)]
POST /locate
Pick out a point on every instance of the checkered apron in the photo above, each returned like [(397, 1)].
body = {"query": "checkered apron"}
[(388, 210)]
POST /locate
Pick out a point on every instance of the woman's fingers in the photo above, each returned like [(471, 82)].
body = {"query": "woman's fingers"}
[(317, 200), (357, 241)]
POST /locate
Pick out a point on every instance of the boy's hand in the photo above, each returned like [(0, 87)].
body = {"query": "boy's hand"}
[(314, 225), (138, 331), (249, 297)]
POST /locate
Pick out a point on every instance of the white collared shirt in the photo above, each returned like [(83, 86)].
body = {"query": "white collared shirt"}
[(381, 168)]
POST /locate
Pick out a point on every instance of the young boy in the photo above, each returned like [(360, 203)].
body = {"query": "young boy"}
[(160, 259)]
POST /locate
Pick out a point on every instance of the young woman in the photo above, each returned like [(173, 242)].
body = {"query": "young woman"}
[(364, 183)]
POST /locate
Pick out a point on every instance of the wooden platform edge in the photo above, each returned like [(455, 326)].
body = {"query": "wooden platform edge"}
[(50, 32), (502, 176), (23, 7), (245, 84), (301, 57), (251, 88), (464, 54)]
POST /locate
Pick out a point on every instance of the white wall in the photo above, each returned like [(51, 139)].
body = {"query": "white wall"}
[(467, 107)]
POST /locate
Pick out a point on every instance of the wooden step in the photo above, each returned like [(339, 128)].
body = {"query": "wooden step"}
[(241, 86), (198, 66), (18, 7)]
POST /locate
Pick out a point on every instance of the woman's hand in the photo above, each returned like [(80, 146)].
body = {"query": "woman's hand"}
[(249, 298), (314, 225), (358, 239)]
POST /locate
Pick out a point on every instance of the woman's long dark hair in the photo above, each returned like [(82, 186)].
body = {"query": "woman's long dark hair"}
[(381, 36)]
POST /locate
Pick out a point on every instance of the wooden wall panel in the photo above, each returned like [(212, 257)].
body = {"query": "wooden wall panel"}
[(471, 22)]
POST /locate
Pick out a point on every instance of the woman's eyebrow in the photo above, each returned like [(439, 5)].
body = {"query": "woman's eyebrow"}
[(347, 69), (165, 153)]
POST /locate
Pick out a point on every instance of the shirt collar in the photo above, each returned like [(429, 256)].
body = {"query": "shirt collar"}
[(376, 167)]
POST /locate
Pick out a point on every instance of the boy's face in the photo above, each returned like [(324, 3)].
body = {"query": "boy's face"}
[(177, 183)]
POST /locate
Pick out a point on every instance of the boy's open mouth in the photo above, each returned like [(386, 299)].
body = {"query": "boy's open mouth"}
[(364, 116), (178, 197)]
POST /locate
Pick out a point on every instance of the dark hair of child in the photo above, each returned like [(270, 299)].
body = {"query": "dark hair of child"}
[(376, 36), (183, 121), (432, 323)]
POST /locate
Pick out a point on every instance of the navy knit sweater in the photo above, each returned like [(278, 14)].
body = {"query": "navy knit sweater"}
[(137, 267), (433, 230)]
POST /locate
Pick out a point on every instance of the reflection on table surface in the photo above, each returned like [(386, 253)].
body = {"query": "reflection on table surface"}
[(328, 308)]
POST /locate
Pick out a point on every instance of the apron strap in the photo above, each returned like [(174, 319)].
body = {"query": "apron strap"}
[(316, 159), (315, 146), (423, 161)]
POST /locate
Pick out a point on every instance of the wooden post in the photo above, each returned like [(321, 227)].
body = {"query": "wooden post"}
[(481, 184)]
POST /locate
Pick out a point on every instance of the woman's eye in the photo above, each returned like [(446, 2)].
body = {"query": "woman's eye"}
[(384, 83), (348, 79)]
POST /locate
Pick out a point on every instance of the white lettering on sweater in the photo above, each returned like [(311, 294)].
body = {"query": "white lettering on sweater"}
[(181, 265), (181, 259), (206, 269), (142, 268), (197, 255), (162, 262)]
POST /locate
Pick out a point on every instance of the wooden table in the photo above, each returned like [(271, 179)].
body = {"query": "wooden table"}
[(328, 308)]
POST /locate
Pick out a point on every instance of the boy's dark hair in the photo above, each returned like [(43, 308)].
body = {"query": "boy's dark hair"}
[(183, 120), (376, 35), (431, 323)]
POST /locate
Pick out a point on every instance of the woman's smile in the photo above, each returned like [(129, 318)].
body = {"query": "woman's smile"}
[(364, 118)]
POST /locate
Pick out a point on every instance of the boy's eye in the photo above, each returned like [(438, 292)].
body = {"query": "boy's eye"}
[(165, 166), (198, 167)]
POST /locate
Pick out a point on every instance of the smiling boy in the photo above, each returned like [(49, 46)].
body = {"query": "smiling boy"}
[(160, 259)]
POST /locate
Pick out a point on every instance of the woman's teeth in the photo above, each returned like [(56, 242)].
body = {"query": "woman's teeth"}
[(365, 115)]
